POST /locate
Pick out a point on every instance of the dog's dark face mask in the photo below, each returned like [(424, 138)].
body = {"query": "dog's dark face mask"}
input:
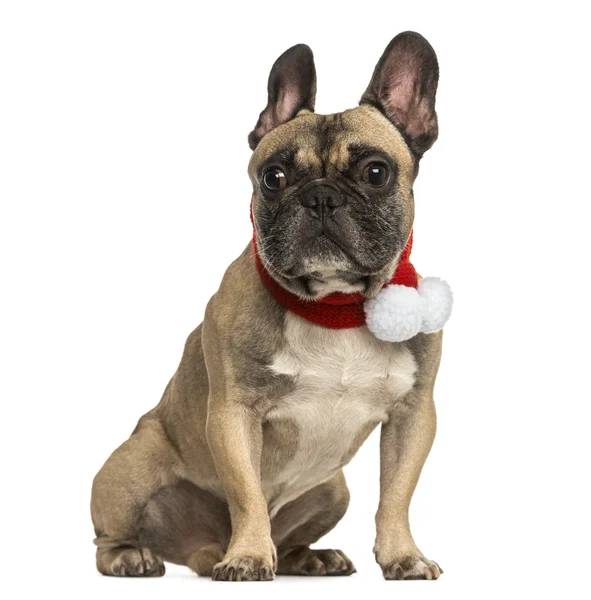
[(333, 204)]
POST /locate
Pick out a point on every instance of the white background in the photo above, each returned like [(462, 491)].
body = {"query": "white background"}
[(124, 197)]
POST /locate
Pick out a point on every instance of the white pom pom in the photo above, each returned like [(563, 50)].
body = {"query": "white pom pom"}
[(398, 312), (395, 314), (437, 301)]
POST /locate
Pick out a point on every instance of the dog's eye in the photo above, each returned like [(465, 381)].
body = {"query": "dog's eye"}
[(375, 174), (274, 179)]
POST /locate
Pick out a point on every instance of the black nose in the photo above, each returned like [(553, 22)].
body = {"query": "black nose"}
[(322, 200)]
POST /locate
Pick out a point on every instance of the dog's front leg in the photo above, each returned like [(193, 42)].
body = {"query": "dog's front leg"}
[(234, 433), (405, 443)]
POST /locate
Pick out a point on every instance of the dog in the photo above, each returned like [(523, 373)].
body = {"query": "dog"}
[(239, 469)]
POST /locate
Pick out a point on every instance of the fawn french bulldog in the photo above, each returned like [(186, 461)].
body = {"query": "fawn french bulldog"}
[(238, 469)]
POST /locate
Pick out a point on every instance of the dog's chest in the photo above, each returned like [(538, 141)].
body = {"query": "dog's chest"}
[(346, 382)]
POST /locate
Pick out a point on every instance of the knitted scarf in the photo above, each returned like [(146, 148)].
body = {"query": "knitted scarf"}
[(337, 310)]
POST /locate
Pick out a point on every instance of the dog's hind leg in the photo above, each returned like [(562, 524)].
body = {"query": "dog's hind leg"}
[(187, 525), (120, 492), (304, 521)]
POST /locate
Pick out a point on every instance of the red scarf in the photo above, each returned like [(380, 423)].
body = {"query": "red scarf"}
[(337, 310)]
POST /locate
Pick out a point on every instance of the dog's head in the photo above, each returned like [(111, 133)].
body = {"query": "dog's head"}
[(333, 200)]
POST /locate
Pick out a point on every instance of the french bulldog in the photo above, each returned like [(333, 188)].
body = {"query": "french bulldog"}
[(239, 469)]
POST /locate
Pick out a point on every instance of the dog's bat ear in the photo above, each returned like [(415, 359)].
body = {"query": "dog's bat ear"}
[(291, 88), (403, 87)]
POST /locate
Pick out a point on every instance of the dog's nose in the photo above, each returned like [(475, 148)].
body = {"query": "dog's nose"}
[(322, 200)]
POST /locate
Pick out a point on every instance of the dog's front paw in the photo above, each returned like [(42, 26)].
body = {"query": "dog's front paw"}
[(244, 568), (412, 567)]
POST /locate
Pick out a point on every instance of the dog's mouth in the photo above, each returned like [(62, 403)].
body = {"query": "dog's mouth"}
[(322, 283), (324, 266), (324, 258), (316, 278), (321, 264)]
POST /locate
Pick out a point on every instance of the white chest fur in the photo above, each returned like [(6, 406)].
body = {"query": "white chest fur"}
[(346, 382)]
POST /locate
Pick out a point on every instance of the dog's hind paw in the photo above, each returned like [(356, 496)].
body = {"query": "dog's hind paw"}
[(305, 561), (131, 562)]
